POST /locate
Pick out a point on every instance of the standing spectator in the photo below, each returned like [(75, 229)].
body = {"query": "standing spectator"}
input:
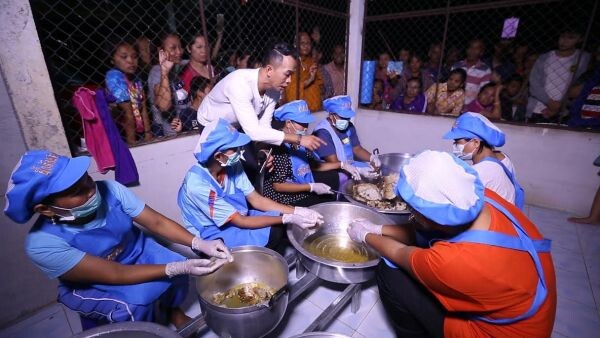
[(433, 63), (128, 90), (413, 69), (167, 95), (519, 55), (404, 55), (187, 120), (146, 52), (499, 61), (551, 76), (450, 95), (452, 57), (389, 80), (382, 66), (478, 73), (308, 88), (198, 65), (513, 101), (336, 72), (487, 102), (377, 101), (413, 100)]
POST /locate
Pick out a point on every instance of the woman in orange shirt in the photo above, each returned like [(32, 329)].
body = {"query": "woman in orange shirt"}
[(489, 273), (311, 80)]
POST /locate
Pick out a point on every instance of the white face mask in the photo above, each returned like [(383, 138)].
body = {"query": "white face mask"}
[(458, 150)]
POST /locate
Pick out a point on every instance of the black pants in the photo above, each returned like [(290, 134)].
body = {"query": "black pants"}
[(412, 309), (329, 177), (277, 239)]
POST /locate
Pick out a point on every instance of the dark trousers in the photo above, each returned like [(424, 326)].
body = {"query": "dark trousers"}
[(277, 239), (412, 309)]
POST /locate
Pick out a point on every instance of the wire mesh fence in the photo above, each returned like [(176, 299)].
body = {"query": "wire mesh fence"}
[(523, 61), (113, 46)]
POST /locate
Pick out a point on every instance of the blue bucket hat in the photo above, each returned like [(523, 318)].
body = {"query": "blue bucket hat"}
[(473, 125), (39, 174), (441, 187), (216, 136), (296, 111), (340, 105)]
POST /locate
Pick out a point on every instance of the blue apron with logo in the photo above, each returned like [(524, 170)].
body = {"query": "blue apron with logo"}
[(232, 235), (300, 166), (120, 241), (519, 191)]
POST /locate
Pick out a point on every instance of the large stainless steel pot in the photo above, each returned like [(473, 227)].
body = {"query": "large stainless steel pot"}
[(129, 330), (320, 335), (337, 217), (251, 264)]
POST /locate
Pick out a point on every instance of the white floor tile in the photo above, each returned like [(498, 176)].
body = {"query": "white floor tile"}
[(376, 324), (576, 320), (574, 286), (567, 260), (298, 317), (338, 327), (358, 335), (52, 321)]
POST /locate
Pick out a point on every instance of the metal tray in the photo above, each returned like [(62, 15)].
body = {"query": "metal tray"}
[(347, 188)]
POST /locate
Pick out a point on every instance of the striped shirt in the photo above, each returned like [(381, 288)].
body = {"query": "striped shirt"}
[(477, 76)]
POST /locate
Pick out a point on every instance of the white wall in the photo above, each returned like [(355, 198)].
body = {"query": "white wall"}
[(554, 166)]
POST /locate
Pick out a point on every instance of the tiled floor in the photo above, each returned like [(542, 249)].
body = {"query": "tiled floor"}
[(576, 252)]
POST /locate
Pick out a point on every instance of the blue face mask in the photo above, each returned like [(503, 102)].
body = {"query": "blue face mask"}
[(233, 158), (83, 210), (342, 124)]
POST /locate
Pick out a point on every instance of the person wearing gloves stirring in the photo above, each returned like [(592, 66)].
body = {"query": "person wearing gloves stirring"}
[(491, 273), (215, 194), (296, 169), (109, 270), (342, 145), (475, 138)]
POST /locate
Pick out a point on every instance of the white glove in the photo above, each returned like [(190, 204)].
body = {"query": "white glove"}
[(214, 248), (350, 169), (359, 228), (320, 188), (374, 159), (309, 213), (367, 172), (196, 267), (301, 221)]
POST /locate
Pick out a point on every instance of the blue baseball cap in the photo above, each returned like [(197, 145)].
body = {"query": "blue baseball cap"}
[(296, 111), (216, 136), (441, 187), (39, 174), (340, 105), (474, 125)]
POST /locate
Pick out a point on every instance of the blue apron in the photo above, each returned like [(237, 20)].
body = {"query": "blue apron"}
[(519, 191), (300, 166), (232, 235)]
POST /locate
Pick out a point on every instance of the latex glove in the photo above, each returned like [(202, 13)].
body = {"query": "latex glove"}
[(350, 169), (196, 267), (367, 172), (309, 213), (374, 159), (320, 188), (301, 221), (359, 228), (214, 248)]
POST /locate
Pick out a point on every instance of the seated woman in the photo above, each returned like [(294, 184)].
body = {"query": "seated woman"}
[(413, 99), (447, 98), (342, 146), (487, 102), (128, 90), (167, 95), (109, 270), (475, 138), (187, 120), (292, 181), (215, 194), (491, 275)]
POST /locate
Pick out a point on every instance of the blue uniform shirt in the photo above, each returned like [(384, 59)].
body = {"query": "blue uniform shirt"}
[(329, 149)]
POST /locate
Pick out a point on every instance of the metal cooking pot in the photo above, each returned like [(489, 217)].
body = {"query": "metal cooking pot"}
[(129, 330), (337, 217), (392, 162), (251, 264), (320, 335)]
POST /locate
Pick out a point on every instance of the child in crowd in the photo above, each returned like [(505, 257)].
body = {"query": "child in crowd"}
[(378, 91), (513, 101), (128, 90), (187, 120), (413, 99), (487, 102), (447, 98), (413, 69)]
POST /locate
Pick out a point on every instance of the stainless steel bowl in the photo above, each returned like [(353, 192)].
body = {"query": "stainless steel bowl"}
[(320, 335), (337, 217), (129, 330), (392, 162), (251, 264)]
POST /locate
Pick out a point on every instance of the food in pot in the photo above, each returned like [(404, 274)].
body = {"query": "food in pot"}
[(242, 295), (383, 198), (336, 247), (366, 192)]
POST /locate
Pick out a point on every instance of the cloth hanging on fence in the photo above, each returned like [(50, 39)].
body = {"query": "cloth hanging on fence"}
[(94, 132), (125, 170)]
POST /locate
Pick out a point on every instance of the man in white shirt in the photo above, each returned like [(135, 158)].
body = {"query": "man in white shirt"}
[(247, 97)]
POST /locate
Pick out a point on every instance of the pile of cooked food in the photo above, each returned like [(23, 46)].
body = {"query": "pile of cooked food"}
[(242, 295), (379, 196)]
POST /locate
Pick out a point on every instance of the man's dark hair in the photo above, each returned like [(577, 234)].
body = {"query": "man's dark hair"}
[(274, 56), (198, 83), (515, 78), (486, 86), (461, 72)]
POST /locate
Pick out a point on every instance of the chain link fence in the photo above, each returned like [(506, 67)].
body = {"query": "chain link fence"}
[(84, 42), (540, 57)]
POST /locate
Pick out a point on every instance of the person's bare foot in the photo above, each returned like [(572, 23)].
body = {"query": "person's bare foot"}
[(178, 318), (584, 220)]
